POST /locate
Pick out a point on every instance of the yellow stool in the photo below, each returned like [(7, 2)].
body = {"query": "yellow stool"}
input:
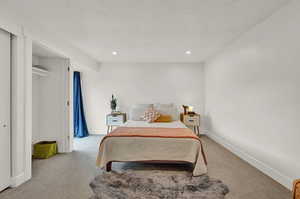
[(44, 149)]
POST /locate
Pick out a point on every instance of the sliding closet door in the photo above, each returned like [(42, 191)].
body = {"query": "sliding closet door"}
[(5, 55)]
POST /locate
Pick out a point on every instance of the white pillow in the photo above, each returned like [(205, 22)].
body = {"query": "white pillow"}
[(137, 111), (168, 109)]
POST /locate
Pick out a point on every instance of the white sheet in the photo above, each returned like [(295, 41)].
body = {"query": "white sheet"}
[(174, 124)]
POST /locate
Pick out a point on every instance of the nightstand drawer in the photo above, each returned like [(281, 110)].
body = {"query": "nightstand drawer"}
[(191, 120), (115, 120)]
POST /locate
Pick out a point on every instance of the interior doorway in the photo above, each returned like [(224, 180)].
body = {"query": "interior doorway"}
[(50, 97)]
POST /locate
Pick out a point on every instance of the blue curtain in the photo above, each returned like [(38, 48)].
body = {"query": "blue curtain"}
[(80, 126)]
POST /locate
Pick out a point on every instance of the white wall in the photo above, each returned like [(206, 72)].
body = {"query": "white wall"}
[(140, 83), (253, 98), (49, 102)]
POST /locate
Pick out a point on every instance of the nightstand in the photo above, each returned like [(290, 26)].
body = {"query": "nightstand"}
[(296, 189), (115, 119), (192, 120)]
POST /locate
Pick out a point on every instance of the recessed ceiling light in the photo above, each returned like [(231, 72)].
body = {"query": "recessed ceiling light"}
[(188, 52), (114, 52)]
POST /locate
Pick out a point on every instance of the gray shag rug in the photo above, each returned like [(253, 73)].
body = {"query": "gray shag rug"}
[(156, 185)]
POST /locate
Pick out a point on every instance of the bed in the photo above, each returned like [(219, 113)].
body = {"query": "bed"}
[(140, 141)]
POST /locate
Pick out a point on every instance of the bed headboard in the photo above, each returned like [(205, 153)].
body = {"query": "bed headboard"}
[(137, 110)]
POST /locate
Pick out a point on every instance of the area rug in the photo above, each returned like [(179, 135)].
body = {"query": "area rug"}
[(156, 185)]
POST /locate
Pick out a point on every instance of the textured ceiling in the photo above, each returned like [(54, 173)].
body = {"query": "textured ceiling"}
[(144, 30)]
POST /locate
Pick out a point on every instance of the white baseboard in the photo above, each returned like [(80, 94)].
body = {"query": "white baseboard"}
[(267, 169), (17, 180)]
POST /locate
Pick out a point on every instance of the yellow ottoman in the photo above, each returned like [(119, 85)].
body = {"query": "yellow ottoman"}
[(44, 150)]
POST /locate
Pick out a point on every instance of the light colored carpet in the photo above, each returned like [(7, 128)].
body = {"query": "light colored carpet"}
[(67, 176), (156, 185)]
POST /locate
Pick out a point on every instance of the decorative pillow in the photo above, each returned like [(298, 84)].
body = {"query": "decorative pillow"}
[(150, 115), (137, 110), (164, 118)]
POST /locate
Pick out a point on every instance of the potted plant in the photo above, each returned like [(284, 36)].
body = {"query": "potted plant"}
[(113, 103)]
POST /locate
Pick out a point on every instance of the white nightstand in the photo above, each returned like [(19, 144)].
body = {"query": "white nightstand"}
[(115, 119), (192, 121)]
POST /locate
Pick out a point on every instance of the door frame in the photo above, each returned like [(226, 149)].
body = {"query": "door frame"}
[(68, 110), (70, 133)]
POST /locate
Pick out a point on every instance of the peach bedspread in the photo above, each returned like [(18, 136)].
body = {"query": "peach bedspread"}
[(152, 132)]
